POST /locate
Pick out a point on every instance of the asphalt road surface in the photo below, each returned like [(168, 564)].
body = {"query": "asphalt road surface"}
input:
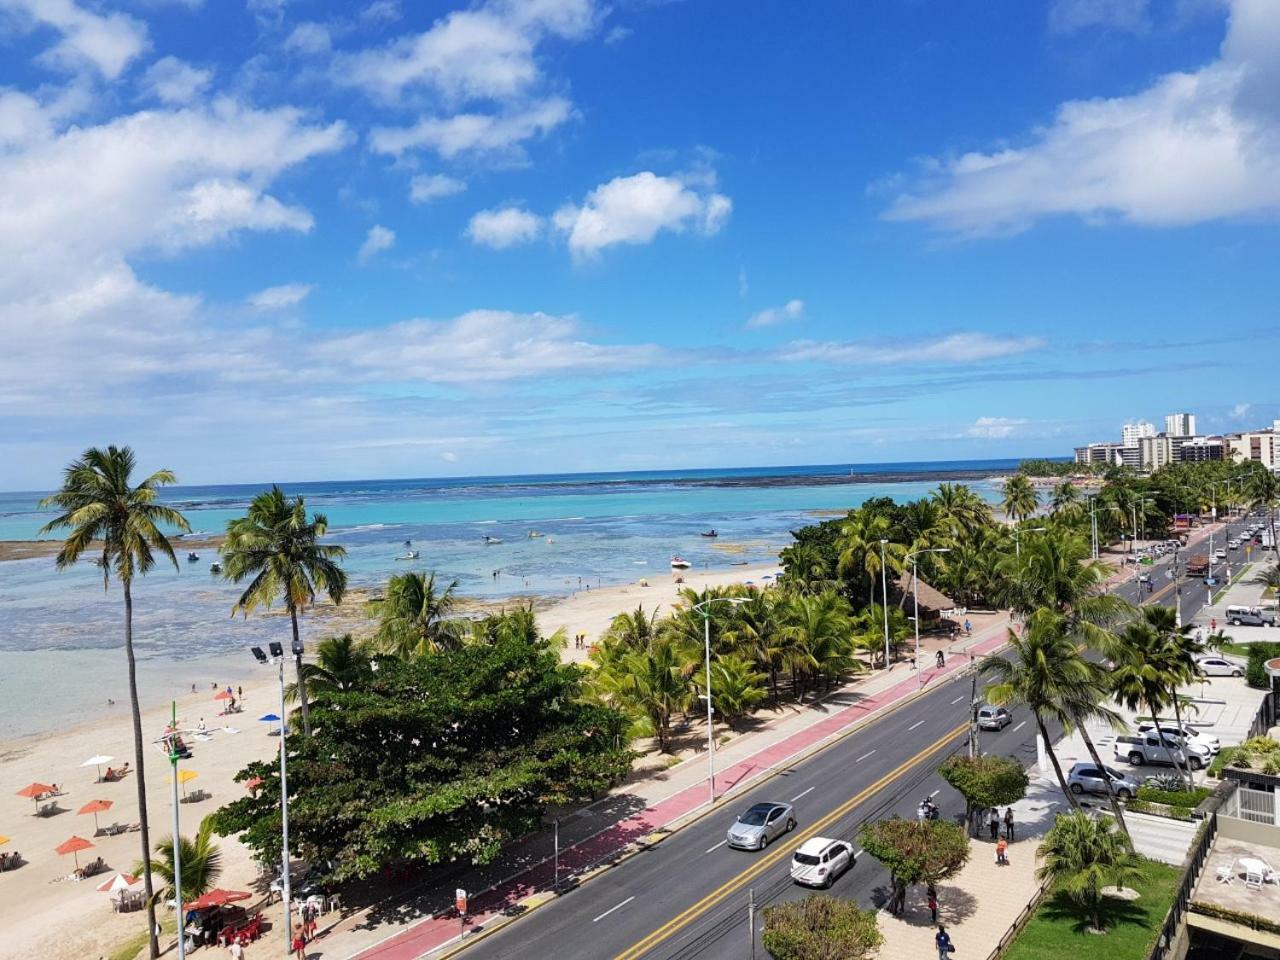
[(687, 897)]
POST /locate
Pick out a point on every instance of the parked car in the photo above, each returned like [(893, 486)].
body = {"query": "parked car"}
[(761, 823), (1170, 750), (1194, 734), (1219, 667), (1239, 616), (819, 861), (1219, 555), (1087, 778), (993, 718)]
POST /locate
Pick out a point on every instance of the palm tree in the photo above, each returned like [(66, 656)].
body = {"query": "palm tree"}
[(414, 616), (755, 632), (961, 508), (1145, 673), (1269, 577), (1263, 490), (736, 687), (276, 545), (634, 631), (1065, 499), (1082, 856), (104, 511), (1020, 499), (816, 631), (653, 682), (1054, 571), (341, 664), (860, 547), (200, 859)]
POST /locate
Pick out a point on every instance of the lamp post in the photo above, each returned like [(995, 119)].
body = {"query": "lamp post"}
[(703, 609), (169, 743), (1017, 538), (884, 598), (1093, 525), (915, 602), (277, 658)]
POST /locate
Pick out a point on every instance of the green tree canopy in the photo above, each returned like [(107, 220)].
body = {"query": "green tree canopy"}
[(200, 860), (820, 928), (915, 852), (1081, 855), (985, 782), (446, 756)]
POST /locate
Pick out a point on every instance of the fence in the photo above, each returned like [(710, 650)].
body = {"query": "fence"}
[(1267, 710), (1016, 927), (1182, 899)]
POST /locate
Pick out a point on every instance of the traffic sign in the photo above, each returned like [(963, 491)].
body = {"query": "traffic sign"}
[(460, 900)]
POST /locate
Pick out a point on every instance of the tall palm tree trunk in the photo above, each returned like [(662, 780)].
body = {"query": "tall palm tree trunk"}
[(1117, 810), (140, 776), (302, 683), (1185, 774), (1053, 759)]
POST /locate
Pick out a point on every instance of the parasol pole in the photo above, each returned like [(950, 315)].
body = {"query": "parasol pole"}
[(177, 837)]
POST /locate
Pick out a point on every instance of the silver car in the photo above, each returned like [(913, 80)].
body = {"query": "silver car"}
[(761, 823), (1219, 667), (1087, 778)]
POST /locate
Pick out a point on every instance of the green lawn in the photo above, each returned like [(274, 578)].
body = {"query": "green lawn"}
[(1057, 933)]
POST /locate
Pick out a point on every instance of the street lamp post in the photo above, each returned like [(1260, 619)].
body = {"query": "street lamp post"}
[(277, 658), (915, 602), (1093, 525), (170, 742), (702, 608), (1017, 538), (884, 598)]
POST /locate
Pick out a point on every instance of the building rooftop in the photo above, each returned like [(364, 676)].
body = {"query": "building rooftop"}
[(1224, 859)]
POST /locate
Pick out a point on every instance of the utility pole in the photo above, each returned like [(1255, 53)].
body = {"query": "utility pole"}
[(177, 843), (751, 920), (973, 717), (884, 600)]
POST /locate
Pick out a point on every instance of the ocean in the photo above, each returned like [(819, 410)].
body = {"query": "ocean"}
[(595, 529)]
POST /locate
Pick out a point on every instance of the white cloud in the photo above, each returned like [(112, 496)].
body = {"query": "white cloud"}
[(281, 297), (107, 42), (478, 346), (953, 348), (173, 81), (617, 35), (1192, 147), (1241, 410), (426, 187), (309, 38), (1069, 16), (448, 456), (504, 228), (634, 209), (377, 240), (474, 132), (485, 53), (268, 12), (995, 428), (770, 316), (381, 11)]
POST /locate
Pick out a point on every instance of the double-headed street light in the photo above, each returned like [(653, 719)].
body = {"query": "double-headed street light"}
[(277, 657), (915, 600), (1017, 538), (702, 608)]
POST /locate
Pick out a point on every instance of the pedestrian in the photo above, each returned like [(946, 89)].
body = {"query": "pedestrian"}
[(1008, 824), (309, 914), (240, 693), (193, 688), (299, 942), (1002, 849), (994, 823), (236, 949), (942, 940), (933, 906), (968, 628), (1213, 625)]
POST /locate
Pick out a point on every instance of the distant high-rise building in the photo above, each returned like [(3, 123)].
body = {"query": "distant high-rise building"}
[(1180, 424), (1132, 433)]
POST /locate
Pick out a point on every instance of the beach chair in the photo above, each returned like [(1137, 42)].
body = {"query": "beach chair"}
[(1253, 880), (1227, 873)]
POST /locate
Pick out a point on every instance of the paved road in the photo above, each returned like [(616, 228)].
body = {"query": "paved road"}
[(687, 897)]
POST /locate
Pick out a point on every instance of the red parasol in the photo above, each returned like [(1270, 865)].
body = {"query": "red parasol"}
[(73, 845), (95, 807), (35, 791), (216, 898), (222, 695)]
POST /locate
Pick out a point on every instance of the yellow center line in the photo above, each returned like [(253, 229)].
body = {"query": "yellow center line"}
[(779, 852)]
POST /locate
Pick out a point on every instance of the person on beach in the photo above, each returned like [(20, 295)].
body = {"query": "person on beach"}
[(235, 949), (1008, 824), (200, 726), (993, 823)]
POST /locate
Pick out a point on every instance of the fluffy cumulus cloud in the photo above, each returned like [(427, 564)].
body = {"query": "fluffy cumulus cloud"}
[(280, 297), (635, 209), (1191, 147), (376, 241), (772, 316), (461, 133), (994, 428), (107, 42), (309, 38), (505, 227), (952, 348), (426, 187), (171, 80)]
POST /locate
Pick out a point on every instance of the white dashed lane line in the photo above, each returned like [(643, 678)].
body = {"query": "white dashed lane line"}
[(611, 909)]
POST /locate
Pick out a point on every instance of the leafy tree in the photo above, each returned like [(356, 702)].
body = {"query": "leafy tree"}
[(820, 928), (816, 632), (652, 684), (280, 549), (1020, 500), (1269, 577), (736, 687), (1082, 855), (634, 631), (414, 616), (1065, 498), (105, 513), (201, 862), (342, 663), (915, 852), (444, 757), (961, 509), (985, 782)]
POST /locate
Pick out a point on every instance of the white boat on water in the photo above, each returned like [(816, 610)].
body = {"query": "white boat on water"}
[(680, 563), (489, 541)]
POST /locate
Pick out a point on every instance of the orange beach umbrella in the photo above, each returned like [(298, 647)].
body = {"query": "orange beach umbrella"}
[(216, 898), (95, 807), (35, 791), (222, 695), (74, 845)]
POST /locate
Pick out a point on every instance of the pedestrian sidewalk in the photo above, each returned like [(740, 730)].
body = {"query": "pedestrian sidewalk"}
[(669, 798), (981, 903)]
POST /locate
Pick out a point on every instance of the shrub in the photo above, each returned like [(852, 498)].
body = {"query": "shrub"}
[(1234, 916), (1258, 753), (1166, 781), (1160, 810), (820, 928), (1255, 673), (1173, 798)]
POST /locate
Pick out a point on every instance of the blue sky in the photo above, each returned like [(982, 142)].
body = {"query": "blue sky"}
[(288, 239)]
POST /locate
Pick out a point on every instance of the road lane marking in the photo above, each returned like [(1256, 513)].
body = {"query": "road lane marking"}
[(956, 700), (858, 854), (801, 794), (611, 909), (783, 850), (864, 756), (716, 847), (916, 724), (1019, 726), (935, 793)]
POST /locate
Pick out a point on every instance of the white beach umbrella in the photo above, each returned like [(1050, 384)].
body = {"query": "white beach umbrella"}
[(97, 761), (121, 881)]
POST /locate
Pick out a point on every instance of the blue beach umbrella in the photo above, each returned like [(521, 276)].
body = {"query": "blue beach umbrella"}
[(270, 718)]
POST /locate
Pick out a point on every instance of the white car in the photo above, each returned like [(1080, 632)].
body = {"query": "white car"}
[(819, 861), (1219, 667), (1220, 555), (1194, 734)]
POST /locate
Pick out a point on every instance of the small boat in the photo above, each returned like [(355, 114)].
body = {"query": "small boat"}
[(680, 563), (215, 568), (411, 555), (534, 534), (709, 533), (490, 541), (192, 557)]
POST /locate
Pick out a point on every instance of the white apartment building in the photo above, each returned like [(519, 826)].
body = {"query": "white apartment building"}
[(1260, 446), (1132, 433), (1180, 424)]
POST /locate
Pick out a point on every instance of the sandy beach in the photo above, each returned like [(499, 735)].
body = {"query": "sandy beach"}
[(47, 915)]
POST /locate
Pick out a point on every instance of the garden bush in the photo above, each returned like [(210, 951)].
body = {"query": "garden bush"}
[(1255, 673), (820, 928), (1173, 798)]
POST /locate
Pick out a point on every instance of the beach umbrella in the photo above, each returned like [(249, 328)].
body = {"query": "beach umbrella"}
[(222, 695), (270, 718), (95, 807), (3, 840), (73, 846), (253, 784), (35, 791), (184, 777), (216, 898), (97, 761), (118, 883)]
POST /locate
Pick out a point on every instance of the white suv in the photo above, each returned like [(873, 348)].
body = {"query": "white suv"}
[(819, 861)]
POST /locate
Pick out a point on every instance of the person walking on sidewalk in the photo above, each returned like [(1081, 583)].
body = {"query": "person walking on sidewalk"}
[(1008, 824), (942, 940), (994, 824), (1002, 849), (933, 904)]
